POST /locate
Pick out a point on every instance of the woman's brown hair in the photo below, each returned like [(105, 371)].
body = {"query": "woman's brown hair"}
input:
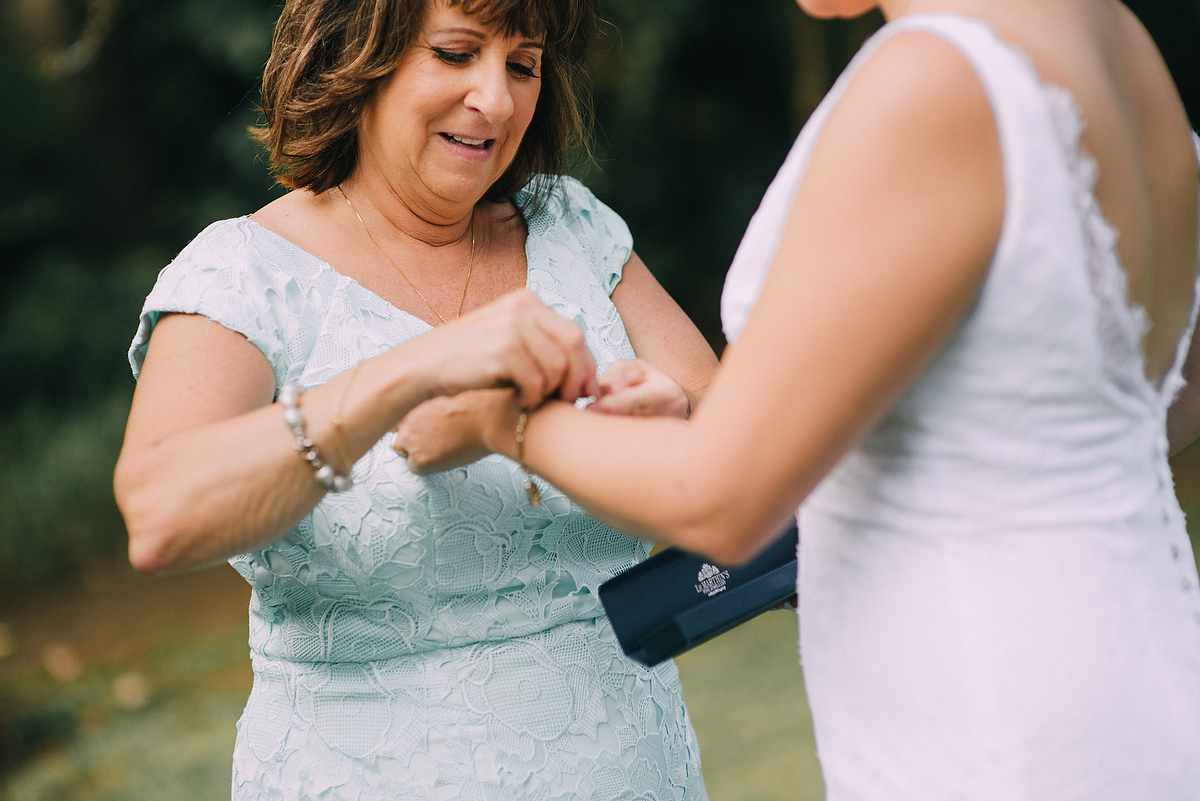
[(329, 55)]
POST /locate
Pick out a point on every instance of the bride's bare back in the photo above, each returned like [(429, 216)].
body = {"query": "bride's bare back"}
[(1136, 130)]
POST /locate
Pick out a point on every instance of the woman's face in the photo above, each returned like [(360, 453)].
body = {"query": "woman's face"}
[(449, 120)]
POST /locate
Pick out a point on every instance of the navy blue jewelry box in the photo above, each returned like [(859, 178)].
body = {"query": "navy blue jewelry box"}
[(674, 601)]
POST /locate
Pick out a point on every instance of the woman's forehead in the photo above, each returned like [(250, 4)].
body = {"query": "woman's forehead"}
[(528, 18)]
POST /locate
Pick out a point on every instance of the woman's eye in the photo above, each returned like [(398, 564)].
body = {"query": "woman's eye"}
[(523, 70), (451, 57)]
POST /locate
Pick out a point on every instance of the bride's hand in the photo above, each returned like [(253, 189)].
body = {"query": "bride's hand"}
[(634, 387), (448, 432)]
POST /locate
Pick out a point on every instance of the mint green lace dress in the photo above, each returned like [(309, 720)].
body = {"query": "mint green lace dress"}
[(434, 637)]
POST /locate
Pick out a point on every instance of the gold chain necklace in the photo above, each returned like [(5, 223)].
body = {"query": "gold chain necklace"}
[(470, 260)]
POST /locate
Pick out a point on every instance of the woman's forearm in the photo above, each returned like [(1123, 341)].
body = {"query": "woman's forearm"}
[(209, 468), (189, 502), (661, 333)]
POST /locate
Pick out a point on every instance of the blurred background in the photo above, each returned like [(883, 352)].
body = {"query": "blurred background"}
[(122, 135)]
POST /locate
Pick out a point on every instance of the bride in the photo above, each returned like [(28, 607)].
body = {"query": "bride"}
[(962, 318)]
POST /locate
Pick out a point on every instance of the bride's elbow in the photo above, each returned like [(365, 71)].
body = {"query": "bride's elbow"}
[(725, 542), (725, 525)]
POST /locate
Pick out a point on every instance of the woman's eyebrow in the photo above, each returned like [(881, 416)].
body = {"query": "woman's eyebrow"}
[(478, 34)]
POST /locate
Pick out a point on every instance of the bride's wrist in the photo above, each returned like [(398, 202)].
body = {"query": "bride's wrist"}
[(499, 427)]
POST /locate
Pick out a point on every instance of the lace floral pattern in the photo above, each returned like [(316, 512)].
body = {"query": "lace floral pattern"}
[(434, 637), (1121, 324)]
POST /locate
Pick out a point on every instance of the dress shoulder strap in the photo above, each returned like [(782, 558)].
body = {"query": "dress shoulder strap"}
[(1018, 101), (1008, 75), (1038, 124)]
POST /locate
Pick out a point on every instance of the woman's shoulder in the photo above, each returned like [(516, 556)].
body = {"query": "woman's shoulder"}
[(563, 213), (245, 277), (236, 262), (212, 259), (560, 200), (240, 246)]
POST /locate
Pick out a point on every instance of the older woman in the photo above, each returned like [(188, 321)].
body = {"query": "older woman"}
[(412, 637)]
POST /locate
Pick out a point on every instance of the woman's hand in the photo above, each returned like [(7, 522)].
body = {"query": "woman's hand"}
[(634, 387), (448, 432), (514, 341)]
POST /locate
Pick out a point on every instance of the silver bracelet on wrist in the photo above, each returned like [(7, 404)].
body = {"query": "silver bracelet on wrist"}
[(327, 477)]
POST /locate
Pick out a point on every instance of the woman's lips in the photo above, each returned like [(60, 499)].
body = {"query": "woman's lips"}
[(467, 142)]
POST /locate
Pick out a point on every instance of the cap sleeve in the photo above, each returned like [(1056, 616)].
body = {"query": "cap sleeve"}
[(219, 275), (604, 236)]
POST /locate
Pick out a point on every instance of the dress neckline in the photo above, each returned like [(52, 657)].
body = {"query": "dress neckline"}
[(329, 268)]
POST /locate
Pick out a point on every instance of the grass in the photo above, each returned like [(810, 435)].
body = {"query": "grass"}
[(746, 697), (187, 635), (75, 740)]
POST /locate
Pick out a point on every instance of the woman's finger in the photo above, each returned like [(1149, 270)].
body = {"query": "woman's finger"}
[(530, 384), (578, 370), (657, 394), (517, 341), (493, 343), (634, 401), (559, 348), (579, 376), (621, 375)]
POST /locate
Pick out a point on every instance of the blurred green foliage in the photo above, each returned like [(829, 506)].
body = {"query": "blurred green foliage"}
[(698, 102), (124, 133)]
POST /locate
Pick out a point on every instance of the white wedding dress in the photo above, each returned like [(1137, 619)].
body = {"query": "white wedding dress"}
[(998, 599)]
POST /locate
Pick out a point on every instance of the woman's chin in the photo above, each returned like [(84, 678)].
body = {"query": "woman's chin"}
[(464, 183), (460, 188)]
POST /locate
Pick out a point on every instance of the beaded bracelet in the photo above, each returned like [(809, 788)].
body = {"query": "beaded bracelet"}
[(327, 477)]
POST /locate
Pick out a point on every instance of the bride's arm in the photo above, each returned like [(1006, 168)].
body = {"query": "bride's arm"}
[(885, 249)]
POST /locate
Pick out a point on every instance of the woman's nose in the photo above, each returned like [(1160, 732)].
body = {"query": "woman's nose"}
[(490, 95)]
